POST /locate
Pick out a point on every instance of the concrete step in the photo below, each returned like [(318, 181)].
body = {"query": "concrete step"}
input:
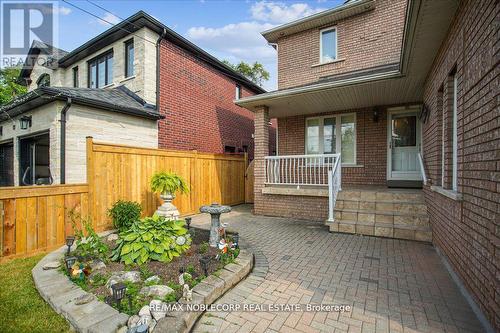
[(383, 217), (377, 207), (414, 196), (399, 231)]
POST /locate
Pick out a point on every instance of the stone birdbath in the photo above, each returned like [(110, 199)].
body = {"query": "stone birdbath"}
[(215, 210)]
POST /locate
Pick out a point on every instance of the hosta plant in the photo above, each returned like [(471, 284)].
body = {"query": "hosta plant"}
[(168, 183), (152, 238)]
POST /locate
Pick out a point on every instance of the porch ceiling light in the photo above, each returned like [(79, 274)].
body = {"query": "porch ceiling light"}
[(25, 122)]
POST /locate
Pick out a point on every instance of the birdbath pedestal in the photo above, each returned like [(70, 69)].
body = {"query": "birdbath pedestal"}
[(215, 210)]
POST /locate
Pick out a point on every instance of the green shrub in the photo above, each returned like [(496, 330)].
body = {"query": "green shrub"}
[(152, 238), (88, 243), (124, 214), (168, 182), (203, 248)]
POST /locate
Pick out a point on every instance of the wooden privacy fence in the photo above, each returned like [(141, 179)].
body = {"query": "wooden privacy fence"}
[(120, 172), (35, 218)]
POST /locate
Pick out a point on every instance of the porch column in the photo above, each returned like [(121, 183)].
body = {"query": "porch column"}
[(261, 150)]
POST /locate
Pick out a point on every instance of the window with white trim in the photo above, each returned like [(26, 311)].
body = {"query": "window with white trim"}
[(322, 136), (328, 45)]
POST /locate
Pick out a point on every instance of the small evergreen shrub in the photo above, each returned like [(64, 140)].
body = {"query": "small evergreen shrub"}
[(124, 214)]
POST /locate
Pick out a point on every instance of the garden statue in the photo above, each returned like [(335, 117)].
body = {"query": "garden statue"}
[(167, 184), (215, 210), (187, 294), (182, 276)]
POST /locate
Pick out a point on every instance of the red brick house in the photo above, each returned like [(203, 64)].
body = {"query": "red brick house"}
[(196, 95), (388, 125)]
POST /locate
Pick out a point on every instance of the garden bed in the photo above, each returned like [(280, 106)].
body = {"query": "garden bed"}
[(159, 273)]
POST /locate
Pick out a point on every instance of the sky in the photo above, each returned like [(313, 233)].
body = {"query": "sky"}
[(226, 29)]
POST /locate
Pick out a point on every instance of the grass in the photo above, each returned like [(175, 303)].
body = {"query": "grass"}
[(21, 307)]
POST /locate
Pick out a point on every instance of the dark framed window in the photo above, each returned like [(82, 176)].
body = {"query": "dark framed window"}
[(129, 58), (75, 77), (43, 80), (101, 70)]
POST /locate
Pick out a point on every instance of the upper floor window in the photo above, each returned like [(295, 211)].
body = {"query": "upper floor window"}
[(129, 58), (101, 71), (75, 77), (322, 136), (238, 92), (43, 80), (328, 45)]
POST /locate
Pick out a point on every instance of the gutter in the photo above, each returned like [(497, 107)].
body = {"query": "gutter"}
[(63, 140), (163, 34)]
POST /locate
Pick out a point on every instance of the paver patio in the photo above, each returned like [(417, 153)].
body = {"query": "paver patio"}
[(392, 285)]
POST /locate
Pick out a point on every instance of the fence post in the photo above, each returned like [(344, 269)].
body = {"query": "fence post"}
[(90, 179)]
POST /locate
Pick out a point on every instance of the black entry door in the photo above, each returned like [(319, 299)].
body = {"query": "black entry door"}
[(7, 164)]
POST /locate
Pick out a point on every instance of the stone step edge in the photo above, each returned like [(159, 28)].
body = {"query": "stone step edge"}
[(380, 212), (407, 202), (382, 225)]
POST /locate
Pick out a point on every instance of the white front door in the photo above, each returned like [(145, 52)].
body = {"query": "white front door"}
[(403, 145)]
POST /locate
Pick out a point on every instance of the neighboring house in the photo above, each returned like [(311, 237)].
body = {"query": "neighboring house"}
[(110, 75), (407, 93)]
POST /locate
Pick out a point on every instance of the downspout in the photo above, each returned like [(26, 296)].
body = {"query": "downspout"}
[(63, 140), (163, 34)]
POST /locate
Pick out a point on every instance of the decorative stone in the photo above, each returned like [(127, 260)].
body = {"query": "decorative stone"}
[(181, 278), (113, 237), (187, 294), (132, 276), (145, 320), (215, 210), (84, 299), (167, 209), (153, 279), (157, 290), (152, 326), (97, 265), (133, 321), (122, 329), (158, 309), (52, 265), (144, 311)]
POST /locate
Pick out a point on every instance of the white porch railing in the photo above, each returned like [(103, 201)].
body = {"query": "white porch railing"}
[(300, 169), (303, 170), (422, 168), (334, 186)]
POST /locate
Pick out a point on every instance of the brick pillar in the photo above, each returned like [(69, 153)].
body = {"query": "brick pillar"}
[(261, 150)]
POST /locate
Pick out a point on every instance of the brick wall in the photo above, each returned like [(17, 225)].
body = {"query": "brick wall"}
[(371, 147), (197, 101), (367, 40), (468, 231)]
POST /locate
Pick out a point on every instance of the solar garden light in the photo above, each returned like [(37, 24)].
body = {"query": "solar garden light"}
[(69, 242), (69, 261), (118, 292), (188, 222), (236, 239), (204, 264)]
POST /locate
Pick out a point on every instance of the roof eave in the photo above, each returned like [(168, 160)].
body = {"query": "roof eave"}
[(337, 13)]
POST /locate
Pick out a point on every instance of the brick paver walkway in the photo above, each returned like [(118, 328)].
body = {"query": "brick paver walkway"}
[(392, 285)]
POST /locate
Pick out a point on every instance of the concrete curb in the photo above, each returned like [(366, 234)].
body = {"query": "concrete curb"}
[(57, 290)]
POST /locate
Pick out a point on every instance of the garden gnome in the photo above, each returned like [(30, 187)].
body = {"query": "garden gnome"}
[(187, 294)]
